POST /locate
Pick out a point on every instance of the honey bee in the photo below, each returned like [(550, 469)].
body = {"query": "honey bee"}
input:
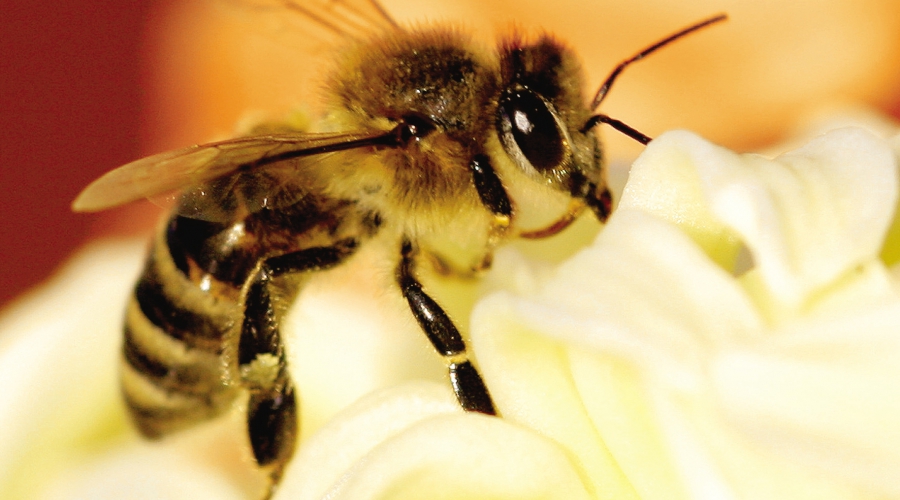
[(438, 139)]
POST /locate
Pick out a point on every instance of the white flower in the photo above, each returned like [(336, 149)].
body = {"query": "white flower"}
[(775, 377), (732, 333)]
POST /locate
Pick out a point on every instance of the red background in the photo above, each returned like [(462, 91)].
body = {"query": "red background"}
[(70, 109)]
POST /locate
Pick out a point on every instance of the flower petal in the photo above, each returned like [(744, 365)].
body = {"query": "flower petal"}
[(616, 297), (58, 362), (665, 181), (413, 441), (807, 217), (823, 393), (814, 213), (531, 384), (144, 473), (643, 290)]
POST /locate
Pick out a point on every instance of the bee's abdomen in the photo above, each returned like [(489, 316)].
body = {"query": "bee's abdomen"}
[(175, 371)]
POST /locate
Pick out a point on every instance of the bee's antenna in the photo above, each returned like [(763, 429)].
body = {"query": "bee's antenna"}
[(618, 125), (604, 89)]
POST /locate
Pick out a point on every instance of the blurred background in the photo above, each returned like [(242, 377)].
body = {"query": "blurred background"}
[(87, 85), (70, 105)]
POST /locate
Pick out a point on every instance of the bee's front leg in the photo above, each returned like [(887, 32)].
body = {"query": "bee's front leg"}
[(444, 336), (496, 200), (490, 189)]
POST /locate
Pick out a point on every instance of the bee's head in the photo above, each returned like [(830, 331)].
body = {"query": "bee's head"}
[(541, 118)]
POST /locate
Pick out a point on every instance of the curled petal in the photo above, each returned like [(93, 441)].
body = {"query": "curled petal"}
[(644, 290), (593, 406), (807, 217), (413, 441)]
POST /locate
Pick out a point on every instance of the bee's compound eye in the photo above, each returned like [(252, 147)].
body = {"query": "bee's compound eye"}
[(529, 127)]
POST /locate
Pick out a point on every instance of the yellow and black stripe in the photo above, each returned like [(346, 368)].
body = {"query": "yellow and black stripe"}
[(175, 372)]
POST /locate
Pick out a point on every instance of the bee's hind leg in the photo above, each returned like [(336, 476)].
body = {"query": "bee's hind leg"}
[(446, 339), (272, 409)]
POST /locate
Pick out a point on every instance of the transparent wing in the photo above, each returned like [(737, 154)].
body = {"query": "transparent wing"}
[(338, 18), (353, 18), (219, 178)]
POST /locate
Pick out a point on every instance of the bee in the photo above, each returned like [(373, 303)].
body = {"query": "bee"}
[(428, 138)]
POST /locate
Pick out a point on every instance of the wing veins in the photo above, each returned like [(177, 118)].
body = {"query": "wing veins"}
[(188, 167), (344, 19)]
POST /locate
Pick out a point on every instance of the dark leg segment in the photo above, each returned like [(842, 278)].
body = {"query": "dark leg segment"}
[(446, 339), (600, 202), (470, 389), (272, 424), (272, 410), (489, 187), (437, 325)]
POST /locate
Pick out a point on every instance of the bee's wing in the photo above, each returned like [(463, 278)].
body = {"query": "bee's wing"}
[(338, 18), (256, 166), (353, 18)]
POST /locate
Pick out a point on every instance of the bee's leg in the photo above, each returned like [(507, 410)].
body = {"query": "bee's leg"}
[(446, 339), (272, 410), (491, 191), (494, 197), (599, 200)]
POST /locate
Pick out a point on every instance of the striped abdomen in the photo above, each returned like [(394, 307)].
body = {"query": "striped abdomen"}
[(183, 325), (177, 328)]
